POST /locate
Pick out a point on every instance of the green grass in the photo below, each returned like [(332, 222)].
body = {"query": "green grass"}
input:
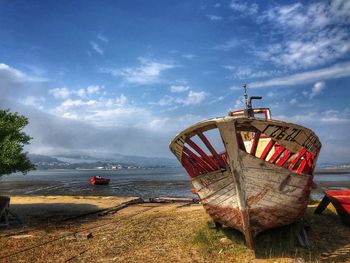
[(326, 234)]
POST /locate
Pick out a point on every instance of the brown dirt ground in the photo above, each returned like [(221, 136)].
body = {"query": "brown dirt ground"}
[(155, 233)]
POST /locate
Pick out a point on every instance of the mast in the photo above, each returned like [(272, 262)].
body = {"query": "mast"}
[(245, 95), (248, 102)]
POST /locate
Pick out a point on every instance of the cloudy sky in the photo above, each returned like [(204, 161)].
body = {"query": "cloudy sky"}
[(103, 77)]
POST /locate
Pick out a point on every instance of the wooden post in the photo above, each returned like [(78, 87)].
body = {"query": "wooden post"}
[(4, 206), (323, 205)]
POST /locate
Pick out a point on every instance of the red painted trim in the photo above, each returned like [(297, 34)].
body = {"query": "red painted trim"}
[(277, 153), (267, 149), (296, 159), (286, 154), (188, 167), (306, 165), (206, 158), (211, 149), (255, 143), (199, 160)]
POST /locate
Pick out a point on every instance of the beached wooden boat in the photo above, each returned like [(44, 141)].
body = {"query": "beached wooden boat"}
[(260, 178), (99, 180), (340, 200)]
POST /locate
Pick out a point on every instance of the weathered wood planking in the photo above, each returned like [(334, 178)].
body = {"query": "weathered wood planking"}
[(258, 188)]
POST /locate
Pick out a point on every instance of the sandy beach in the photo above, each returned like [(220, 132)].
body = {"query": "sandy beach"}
[(65, 229)]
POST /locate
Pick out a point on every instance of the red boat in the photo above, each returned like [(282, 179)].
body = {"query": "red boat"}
[(99, 180), (340, 199)]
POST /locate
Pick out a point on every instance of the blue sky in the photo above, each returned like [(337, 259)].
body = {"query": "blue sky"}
[(105, 77)]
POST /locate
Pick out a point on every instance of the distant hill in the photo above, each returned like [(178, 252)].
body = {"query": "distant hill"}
[(126, 159), (37, 158), (72, 161)]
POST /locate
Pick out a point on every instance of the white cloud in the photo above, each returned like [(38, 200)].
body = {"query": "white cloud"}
[(104, 111), (64, 93), (214, 17), (339, 70), (235, 88), (239, 104), (174, 123), (148, 72), (244, 7), (102, 38), (271, 94), (90, 90), (193, 98), (309, 50), (247, 72), (93, 89), (60, 93), (81, 92), (189, 56), (220, 98), (34, 101), (96, 47), (293, 101), (69, 103), (15, 75), (317, 89), (166, 101), (307, 35), (217, 5), (315, 15), (121, 100), (228, 45), (326, 117), (178, 88)]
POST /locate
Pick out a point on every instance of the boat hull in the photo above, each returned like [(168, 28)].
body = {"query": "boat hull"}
[(250, 186), (341, 201), (99, 181)]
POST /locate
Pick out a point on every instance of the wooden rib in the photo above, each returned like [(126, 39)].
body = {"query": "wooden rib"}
[(267, 149), (255, 143), (197, 166), (276, 154), (304, 162), (206, 158), (199, 160), (240, 141), (296, 159), (283, 160), (189, 167), (211, 149)]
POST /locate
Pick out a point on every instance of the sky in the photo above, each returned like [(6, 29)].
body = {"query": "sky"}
[(124, 77)]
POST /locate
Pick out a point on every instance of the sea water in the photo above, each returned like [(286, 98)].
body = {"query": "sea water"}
[(144, 183)]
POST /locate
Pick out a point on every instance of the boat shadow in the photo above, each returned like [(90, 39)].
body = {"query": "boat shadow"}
[(45, 214)]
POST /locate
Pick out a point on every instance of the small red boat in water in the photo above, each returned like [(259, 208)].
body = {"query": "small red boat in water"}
[(340, 199), (99, 180)]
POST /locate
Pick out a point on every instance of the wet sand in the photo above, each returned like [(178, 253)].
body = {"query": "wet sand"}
[(154, 233)]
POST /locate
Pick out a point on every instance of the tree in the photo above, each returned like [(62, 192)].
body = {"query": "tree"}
[(12, 140)]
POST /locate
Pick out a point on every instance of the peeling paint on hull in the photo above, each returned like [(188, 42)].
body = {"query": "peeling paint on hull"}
[(261, 180)]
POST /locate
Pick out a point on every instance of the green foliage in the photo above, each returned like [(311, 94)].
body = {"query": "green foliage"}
[(12, 140)]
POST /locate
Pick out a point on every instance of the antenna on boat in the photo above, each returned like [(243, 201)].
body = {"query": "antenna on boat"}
[(245, 94), (248, 102)]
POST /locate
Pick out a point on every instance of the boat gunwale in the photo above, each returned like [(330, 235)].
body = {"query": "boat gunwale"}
[(214, 121)]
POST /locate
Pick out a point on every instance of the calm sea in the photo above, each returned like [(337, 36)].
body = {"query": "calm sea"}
[(145, 183)]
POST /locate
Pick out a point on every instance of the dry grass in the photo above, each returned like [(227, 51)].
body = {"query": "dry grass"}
[(173, 233)]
